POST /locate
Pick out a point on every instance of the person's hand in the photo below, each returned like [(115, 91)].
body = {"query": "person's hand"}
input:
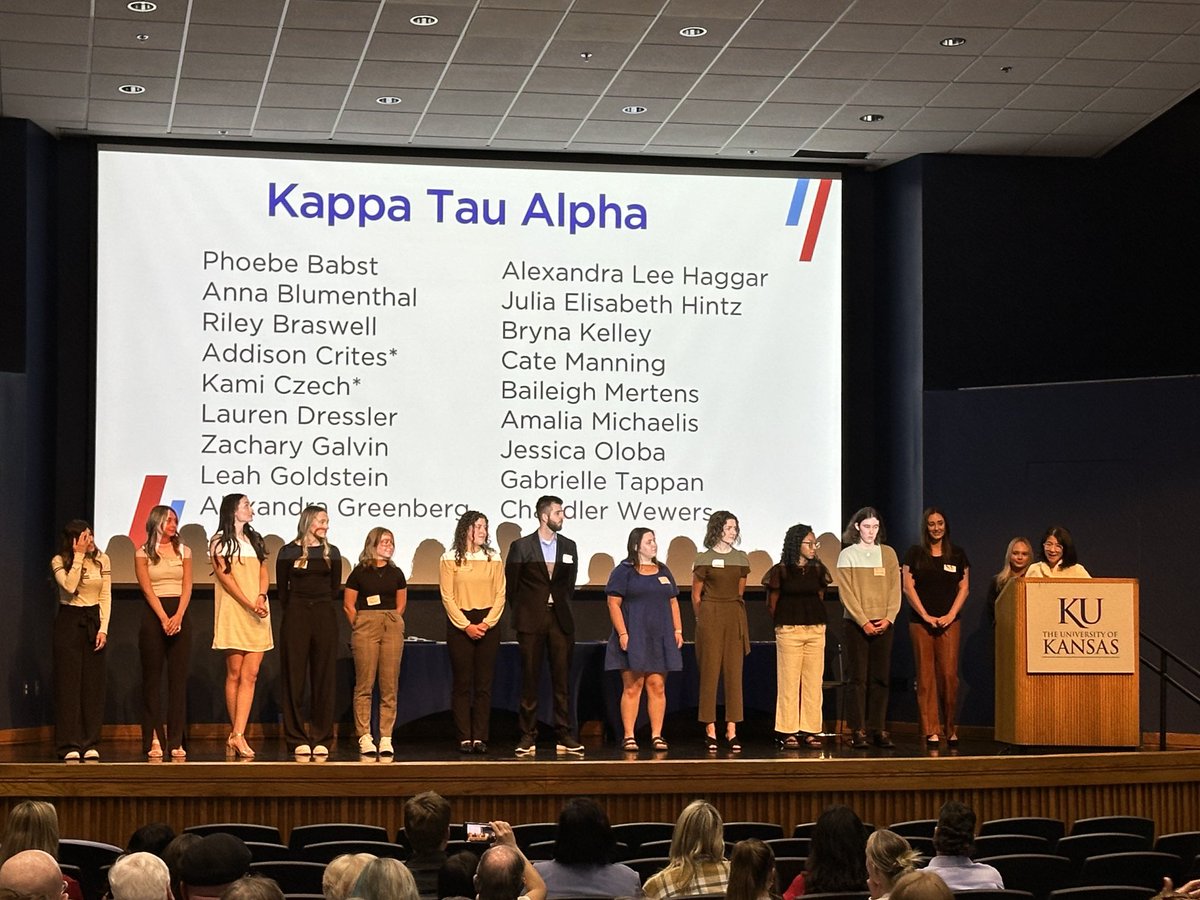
[(475, 632), (173, 625), (869, 629), (931, 621), (82, 544), (261, 609), (679, 639), (101, 640), (882, 625), (623, 640), (504, 833)]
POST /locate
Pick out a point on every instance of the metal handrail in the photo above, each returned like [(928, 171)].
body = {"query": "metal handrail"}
[(1165, 680)]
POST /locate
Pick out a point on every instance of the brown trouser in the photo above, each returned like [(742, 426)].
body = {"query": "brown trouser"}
[(936, 655), (377, 641)]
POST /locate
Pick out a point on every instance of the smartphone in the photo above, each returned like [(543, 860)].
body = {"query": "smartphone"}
[(481, 832)]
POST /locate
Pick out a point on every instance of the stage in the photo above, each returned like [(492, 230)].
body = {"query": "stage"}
[(108, 800)]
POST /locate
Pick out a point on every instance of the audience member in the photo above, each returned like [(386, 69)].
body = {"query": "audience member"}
[(33, 825), (697, 856), (582, 864), (34, 873), (253, 887), (889, 858), (211, 864), (837, 857), (456, 878), (385, 879), (152, 838), (139, 876), (504, 870), (751, 871), (921, 885), (427, 829), (1168, 892), (171, 855), (342, 872), (953, 839)]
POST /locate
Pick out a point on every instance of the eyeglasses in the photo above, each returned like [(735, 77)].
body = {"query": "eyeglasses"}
[(1050, 545), (816, 545)]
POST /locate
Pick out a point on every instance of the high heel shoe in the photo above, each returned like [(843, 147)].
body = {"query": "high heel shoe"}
[(236, 745), (155, 751)]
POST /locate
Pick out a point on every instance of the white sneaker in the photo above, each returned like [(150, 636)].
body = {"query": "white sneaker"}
[(320, 750), (366, 746), (91, 753), (304, 750), (72, 756), (385, 746)]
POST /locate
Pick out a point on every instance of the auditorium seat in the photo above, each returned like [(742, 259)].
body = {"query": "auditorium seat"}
[(789, 846), (542, 850), (476, 847), (1184, 844), (655, 848), (634, 834), (260, 851), (923, 845), (93, 859), (1037, 873), (1105, 892), (804, 830), (534, 832), (740, 831), (1143, 869), (458, 832), (1009, 844), (265, 834), (914, 828), (647, 865), (303, 835), (786, 870), (327, 851), (1124, 824), (292, 876), (1078, 847), (1050, 829)]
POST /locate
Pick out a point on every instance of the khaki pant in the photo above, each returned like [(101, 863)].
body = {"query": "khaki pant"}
[(800, 671), (377, 641), (722, 642)]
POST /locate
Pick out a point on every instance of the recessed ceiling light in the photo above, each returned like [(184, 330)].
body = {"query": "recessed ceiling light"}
[(424, 21), (633, 110), (1006, 69), (388, 101), (693, 31), (223, 131), (142, 37), (952, 41), (131, 89), (751, 152), (586, 54), (871, 117), (142, 6)]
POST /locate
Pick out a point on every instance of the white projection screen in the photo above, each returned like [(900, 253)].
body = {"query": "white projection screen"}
[(400, 342)]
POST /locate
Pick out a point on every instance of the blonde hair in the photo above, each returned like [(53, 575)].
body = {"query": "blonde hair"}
[(342, 872), (1005, 575), (921, 885), (699, 835), (374, 536), (309, 513), (890, 855), (32, 825)]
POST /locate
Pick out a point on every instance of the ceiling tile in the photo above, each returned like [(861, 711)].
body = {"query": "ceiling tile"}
[(304, 96), (1184, 49), (791, 36), (1098, 72), (605, 55), (740, 61), (362, 122), (1054, 96), (665, 30), (325, 71), (710, 9), (1147, 101), (1167, 18), (894, 117), (1112, 124), (978, 40), (234, 118), (499, 51), (652, 84), (817, 90), (105, 87), (948, 119), (820, 64), (119, 33), (531, 128), (998, 144), (320, 15), (471, 103), (1037, 42), (1184, 76), (568, 81), (669, 58), (1121, 45), (1032, 121), (990, 14), (910, 12), (277, 119), (43, 109), (452, 17), (55, 57), (46, 29), (321, 44), (233, 93), (681, 134), (238, 67), (585, 26), (44, 84), (115, 61), (809, 11), (716, 112), (411, 48), (118, 112), (924, 67), (794, 115), (897, 93), (775, 137), (290, 135), (911, 142), (554, 106), (1069, 145), (458, 126), (465, 76), (734, 87), (364, 99), (1022, 70), (230, 39), (616, 132), (168, 11), (847, 140), (382, 74), (977, 96), (1079, 15), (263, 13), (863, 38), (514, 23)]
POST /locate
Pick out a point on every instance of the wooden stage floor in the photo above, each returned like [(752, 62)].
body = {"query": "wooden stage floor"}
[(108, 800)]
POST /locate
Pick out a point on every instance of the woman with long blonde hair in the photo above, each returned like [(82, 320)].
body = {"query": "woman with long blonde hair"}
[(163, 566), (697, 856), (308, 577), (889, 858)]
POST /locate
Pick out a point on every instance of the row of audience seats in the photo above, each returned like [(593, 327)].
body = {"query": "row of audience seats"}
[(1036, 856)]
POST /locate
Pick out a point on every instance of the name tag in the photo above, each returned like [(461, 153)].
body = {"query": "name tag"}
[(373, 600), (880, 571), (950, 568), (663, 579), (568, 558), (718, 563)]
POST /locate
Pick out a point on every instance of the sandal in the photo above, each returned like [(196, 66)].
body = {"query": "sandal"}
[(630, 745), (658, 743), (155, 751), (735, 745), (791, 742), (812, 741), (710, 742), (178, 753)]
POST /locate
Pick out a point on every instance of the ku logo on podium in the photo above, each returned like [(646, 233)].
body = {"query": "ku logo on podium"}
[(1076, 609), (1084, 626)]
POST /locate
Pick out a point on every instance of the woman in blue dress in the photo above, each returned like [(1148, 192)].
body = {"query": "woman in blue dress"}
[(647, 636)]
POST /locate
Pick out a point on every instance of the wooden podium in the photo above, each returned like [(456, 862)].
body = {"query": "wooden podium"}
[(1067, 662)]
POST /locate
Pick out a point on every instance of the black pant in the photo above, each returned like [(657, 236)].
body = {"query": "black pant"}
[(175, 652), (79, 671), (473, 663), (869, 659), (533, 650), (308, 645)]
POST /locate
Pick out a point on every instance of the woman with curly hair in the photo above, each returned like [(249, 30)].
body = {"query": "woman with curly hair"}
[(84, 577), (471, 579), (241, 614), (697, 856), (722, 632), (308, 577), (163, 566), (795, 600)]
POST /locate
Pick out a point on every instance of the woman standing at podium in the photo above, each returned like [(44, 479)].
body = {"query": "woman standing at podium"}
[(1059, 559), (1017, 558), (936, 583)]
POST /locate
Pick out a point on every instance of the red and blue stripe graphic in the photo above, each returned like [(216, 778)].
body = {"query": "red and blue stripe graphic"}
[(151, 496), (810, 217)]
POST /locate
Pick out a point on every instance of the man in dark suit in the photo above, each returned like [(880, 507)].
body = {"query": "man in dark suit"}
[(540, 573)]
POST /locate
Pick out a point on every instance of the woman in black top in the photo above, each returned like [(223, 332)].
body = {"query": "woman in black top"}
[(308, 575), (375, 598), (936, 583), (795, 594)]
